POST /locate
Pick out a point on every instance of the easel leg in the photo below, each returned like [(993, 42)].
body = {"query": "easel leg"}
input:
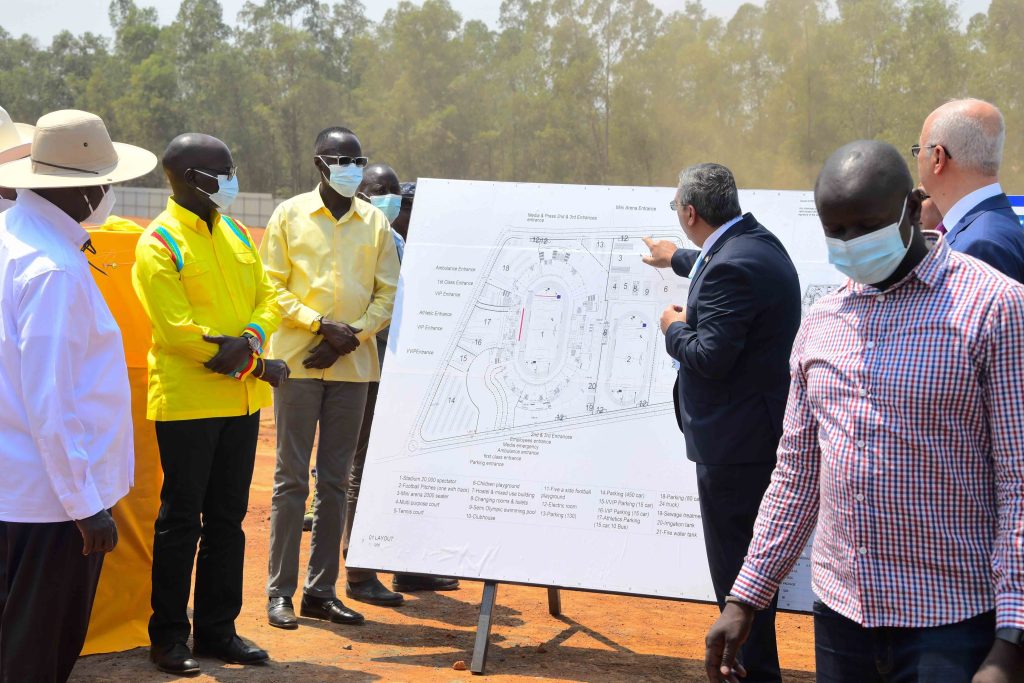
[(483, 628), (554, 602)]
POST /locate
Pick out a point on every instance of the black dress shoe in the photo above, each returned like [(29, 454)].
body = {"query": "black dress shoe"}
[(372, 591), (281, 614), (234, 650), (410, 583), (329, 609), (174, 659)]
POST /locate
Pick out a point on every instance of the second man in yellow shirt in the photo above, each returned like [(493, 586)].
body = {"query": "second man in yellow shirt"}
[(335, 265)]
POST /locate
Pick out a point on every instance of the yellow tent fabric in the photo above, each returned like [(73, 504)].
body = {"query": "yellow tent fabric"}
[(120, 615)]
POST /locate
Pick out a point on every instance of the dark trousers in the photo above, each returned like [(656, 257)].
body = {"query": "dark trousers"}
[(355, 478), (729, 498), (207, 467), (46, 591), (846, 652)]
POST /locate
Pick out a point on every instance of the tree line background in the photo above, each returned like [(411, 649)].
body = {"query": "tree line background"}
[(568, 91)]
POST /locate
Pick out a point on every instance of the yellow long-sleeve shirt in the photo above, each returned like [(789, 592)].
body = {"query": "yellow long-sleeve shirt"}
[(345, 270), (194, 282)]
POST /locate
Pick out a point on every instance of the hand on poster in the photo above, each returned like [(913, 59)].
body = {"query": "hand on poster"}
[(724, 641), (661, 252), (672, 314)]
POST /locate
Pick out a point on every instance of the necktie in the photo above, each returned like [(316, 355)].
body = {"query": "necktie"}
[(941, 228)]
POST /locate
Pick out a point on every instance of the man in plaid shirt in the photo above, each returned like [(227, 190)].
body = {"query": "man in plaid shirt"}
[(903, 446)]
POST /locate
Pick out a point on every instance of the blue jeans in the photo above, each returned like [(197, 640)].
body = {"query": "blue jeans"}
[(846, 652)]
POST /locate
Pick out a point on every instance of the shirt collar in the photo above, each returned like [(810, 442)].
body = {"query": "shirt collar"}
[(717, 234), (968, 202), (189, 219), (930, 270), (62, 223), (359, 207)]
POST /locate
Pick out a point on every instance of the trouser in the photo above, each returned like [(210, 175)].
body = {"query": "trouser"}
[(46, 591), (299, 405), (207, 467), (730, 496), (846, 652), (355, 478)]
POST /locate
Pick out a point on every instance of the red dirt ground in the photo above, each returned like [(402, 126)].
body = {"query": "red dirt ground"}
[(599, 638)]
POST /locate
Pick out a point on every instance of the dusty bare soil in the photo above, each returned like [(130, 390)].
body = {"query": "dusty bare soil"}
[(599, 638)]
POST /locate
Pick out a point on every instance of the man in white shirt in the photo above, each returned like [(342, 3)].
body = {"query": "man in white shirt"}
[(65, 403), (958, 156), (15, 143)]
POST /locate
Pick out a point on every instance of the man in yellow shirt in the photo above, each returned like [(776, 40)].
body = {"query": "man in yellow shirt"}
[(212, 307), (334, 262)]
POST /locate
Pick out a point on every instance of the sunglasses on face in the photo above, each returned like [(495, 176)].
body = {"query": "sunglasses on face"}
[(331, 160)]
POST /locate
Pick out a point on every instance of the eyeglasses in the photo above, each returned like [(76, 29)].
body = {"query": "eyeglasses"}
[(674, 205), (229, 172), (916, 149), (344, 161)]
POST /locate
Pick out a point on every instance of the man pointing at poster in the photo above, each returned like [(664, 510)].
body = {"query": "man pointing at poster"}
[(732, 343)]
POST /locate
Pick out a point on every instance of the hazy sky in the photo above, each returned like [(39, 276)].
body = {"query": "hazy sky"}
[(44, 18)]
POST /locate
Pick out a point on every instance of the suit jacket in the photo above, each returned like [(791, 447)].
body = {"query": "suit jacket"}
[(742, 314), (992, 233)]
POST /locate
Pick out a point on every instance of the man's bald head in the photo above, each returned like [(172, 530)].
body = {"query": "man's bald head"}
[(195, 150), (337, 141), (380, 179), (971, 131), (862, 187)]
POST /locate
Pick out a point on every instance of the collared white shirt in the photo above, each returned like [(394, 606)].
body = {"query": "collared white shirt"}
[(710, 242), (968, 202), (66, 450)]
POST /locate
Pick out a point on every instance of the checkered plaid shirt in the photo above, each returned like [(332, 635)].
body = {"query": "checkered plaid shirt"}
[(903, 449)]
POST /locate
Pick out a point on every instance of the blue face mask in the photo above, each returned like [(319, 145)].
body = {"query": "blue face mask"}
[(345, 180), (869, 259), (390, 204), (227, 190)]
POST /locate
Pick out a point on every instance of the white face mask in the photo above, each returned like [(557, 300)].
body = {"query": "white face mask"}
[(871, 258), (101, 213)]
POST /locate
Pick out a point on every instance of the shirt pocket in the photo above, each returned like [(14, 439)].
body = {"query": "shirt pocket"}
[(195, 276), (246, 269)]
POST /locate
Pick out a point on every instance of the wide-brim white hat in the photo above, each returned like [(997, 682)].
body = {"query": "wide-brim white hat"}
[(72, 148), (15, 138)]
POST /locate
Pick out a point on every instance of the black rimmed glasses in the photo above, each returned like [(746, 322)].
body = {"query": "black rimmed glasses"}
[(332, 160), (915, 150)]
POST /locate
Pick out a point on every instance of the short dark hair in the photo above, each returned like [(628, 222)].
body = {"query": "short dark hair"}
[(321, 138), (711, 189)]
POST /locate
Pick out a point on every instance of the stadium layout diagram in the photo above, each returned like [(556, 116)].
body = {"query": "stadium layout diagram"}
[(562, 331)]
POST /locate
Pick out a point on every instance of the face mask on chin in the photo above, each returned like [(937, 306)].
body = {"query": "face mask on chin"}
[(100, 214), (870, 259)]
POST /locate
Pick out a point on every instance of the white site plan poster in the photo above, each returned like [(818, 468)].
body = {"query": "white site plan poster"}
[(524, 430)]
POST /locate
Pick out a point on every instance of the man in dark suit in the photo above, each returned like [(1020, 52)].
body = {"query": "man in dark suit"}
[(732, 343), (958, 157)]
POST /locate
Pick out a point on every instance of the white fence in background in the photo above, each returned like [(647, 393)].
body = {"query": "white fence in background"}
[(252, 208)]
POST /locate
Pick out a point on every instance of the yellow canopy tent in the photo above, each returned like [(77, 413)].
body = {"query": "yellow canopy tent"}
[(121, 612)]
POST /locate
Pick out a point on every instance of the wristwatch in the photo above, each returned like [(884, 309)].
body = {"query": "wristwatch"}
[(254, 343), (315, 326), (1014, 636)]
